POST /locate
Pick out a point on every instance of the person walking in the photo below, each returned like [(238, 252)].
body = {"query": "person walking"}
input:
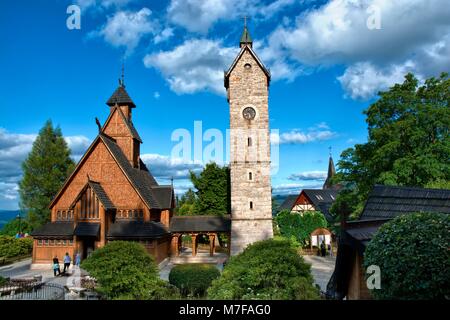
[(56, 266), (67, 261), (323, 250), (330, 250), (77, 259)]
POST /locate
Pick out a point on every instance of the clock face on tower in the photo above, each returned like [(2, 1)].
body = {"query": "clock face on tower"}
[(249, 113)]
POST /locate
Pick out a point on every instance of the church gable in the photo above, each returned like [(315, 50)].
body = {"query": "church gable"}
[(99, 165)]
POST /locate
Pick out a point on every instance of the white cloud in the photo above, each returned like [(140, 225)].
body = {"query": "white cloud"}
[(309, 176), (164, 35), (162, 166), (200, 15), (196, 65), (363, 80), (319, 132), (414, 36), (293, 188), (127, 28), (156, 95), (14, 148), (87, 4)]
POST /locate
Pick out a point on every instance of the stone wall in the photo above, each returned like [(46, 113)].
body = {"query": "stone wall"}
[(251, 198)]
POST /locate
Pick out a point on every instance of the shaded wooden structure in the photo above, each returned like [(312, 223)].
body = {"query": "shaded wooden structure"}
[(383, 204), (195, 226)]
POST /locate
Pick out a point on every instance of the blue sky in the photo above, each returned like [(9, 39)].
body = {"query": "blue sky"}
[(328, 59)]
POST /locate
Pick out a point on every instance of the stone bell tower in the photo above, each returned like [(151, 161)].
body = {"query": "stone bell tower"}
[(247, 83)]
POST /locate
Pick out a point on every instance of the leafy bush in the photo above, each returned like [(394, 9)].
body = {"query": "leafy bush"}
[(124, 270), (298, 227), (3, 281), (269, 269), (413, 256), (193, 279), (11, 247)]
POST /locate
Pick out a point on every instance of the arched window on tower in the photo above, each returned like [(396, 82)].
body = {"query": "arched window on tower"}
[(250, 176), (251, 205), (249, 141)]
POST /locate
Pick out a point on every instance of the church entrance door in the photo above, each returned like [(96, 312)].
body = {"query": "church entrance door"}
[(88, 247)]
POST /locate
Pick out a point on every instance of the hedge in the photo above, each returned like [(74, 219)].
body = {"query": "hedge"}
[(298, 227), (193, 279), (413, 254), (11, 247), (269, 269), (125, 270)]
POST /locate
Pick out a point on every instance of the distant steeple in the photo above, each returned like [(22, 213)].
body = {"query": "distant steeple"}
[(331, 173), (246, 40)]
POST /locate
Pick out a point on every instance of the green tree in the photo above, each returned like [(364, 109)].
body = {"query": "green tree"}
[(44, 171), (298, 227), (413, 256), (408, 139), (125, 270), (213, 190), (15, 226), (269, 269), (186, 204)]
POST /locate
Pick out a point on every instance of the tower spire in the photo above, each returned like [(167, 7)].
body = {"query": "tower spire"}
[(331, 172), (246, 40), (122, 77)]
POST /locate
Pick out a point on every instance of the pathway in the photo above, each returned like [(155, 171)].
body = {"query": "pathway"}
[(321, 268)]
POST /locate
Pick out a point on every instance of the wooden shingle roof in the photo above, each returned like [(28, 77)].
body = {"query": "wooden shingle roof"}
[(57, 230), (200, 224), (136, 230), (121, 97), (390, 202)]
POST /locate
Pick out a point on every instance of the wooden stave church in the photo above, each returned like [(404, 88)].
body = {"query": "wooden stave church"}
[(111, 195)]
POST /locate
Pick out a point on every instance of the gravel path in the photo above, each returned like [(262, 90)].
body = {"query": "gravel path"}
[(321, 268)]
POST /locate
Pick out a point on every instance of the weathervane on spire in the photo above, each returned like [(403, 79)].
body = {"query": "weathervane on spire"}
[(122, 77)]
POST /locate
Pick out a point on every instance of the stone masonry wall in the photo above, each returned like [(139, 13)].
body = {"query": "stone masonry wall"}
[(251, 198)]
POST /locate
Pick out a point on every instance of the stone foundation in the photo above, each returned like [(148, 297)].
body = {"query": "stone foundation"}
[(245, 232)]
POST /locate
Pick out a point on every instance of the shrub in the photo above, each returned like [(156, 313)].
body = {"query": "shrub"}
[(11, 247), (124, 270), (3, 281), (300, 226), (269, 269), (193, 279), (413, 256)]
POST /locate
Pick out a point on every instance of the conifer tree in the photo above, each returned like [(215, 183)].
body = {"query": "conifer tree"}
[(44, 171)]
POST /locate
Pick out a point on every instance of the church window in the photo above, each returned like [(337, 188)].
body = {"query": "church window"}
[(249, 141), (250, 176), (251, 204), (247, 66)]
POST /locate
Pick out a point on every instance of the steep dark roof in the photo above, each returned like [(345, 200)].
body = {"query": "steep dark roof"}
[(164, 195), (101, 195), (200, 224), (60, 230), (121, 97), (390, 202), (141, 179), (136, 229), (99, 192), (323, 200), (288, 203), (331, 173), (87, 229)]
